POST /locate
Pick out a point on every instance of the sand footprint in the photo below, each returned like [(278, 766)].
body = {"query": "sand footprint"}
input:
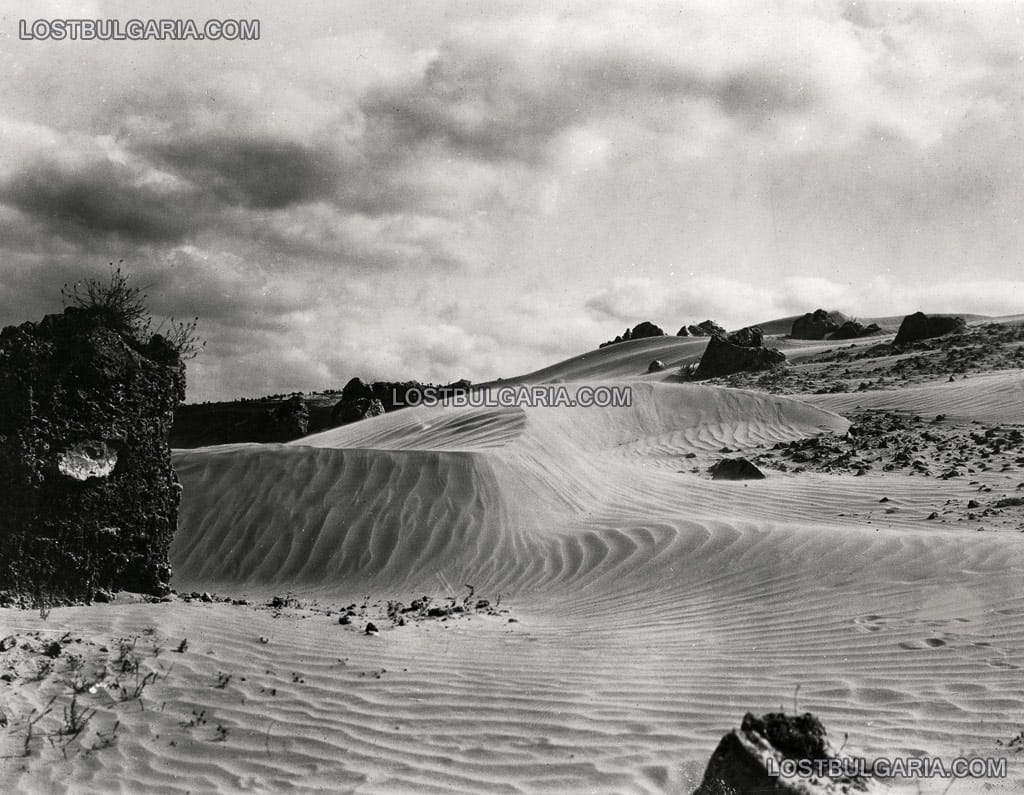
[(870, 623), (926, 643)]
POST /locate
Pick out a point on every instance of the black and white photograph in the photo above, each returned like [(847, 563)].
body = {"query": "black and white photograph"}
[(609, 397)]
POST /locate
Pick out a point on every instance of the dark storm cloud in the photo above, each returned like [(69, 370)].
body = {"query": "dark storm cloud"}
[(612, 78), (99, 198), (760, 97), (502, 106), (475, 105), (259, 174)]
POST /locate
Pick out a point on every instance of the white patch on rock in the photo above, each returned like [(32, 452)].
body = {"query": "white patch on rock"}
[(87, 460)]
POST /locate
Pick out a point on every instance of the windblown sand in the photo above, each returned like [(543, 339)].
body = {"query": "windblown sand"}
[(643, 607)]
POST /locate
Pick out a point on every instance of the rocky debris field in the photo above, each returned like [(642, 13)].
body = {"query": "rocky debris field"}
[(383, 614), (860, 367), (885, 441)]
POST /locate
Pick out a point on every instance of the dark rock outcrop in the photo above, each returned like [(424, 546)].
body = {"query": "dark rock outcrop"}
[(817, 325), (920, 326), (735, 469), (284, 422), (639, 331), (656, 366), (271, 419), (707, 328), (745, 759), (822, 325), (741, 351), (88, 497)]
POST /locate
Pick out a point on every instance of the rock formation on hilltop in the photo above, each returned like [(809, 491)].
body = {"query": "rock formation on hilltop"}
[(822, 325), (707, 328), (920, 326), (741, 351), (88, 497), (746, 758), (639, 331), (817, 325)]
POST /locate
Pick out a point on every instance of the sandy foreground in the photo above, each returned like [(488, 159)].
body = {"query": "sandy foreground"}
[(635, 608)]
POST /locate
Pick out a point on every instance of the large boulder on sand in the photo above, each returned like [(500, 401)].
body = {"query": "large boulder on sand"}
[(817, 325), (735, 469), (920, 326), (739, 352), (746, 758)]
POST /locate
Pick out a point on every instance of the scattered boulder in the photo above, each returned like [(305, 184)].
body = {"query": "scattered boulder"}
[(735, 469), (86, 406), (817, 325), (746, 758), (656, 366), (920, 326), (639, 331), (742, 351)]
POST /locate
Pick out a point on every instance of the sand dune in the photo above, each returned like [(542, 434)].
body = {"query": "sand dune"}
[(652, 606), (414, 493)]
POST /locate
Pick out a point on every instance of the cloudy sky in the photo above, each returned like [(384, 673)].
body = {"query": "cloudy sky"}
[(438, 190)]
